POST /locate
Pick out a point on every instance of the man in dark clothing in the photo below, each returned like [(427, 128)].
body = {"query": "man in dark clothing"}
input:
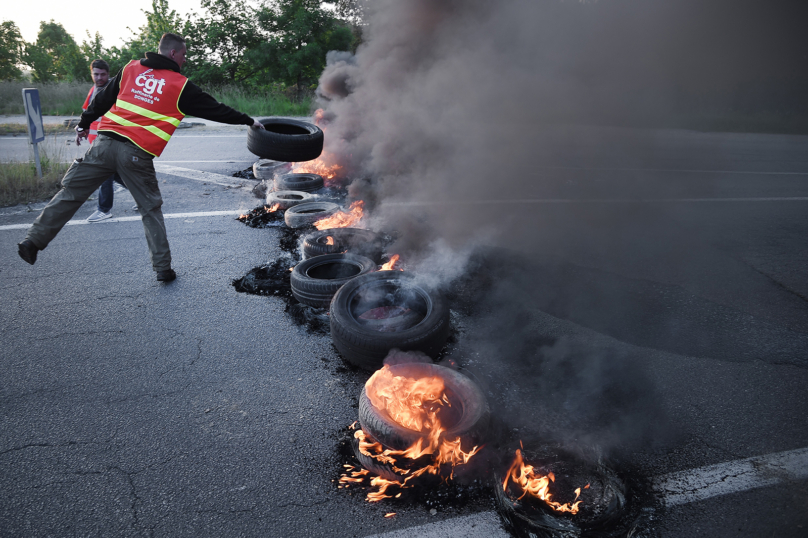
[(100, 73), (141, 108)]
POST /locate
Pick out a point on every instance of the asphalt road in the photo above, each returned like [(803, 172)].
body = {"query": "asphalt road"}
[(679, 290)]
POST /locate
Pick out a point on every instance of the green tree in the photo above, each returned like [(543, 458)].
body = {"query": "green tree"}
[(349, 10), (300, 32), (160, 20), (11, 50), (55, 55), (219, 42), (92, 49)]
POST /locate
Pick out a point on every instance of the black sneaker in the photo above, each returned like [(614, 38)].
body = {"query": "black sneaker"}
[(27, 251), (164, 276)]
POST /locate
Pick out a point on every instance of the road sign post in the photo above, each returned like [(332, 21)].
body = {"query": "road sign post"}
[(33, 113)]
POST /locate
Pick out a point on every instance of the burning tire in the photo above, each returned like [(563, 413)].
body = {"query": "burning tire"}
[(466, 416), (287, 199), (299, 182), (599, 508), (309, 213), (316, 280), (286, 140), (377, 312), (352, 240)]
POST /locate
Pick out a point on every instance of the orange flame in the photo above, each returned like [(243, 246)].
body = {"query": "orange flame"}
[(319, 166), (537, 485), (414, 404), (409, 402), (342, 219), (389, 266), (326, 164), (272, 208), (329, 241)]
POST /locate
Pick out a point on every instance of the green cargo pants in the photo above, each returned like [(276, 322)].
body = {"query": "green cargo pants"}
[(84, 176)]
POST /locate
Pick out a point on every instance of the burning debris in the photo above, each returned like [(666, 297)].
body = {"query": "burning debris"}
[(262, 216), (600, 505), (392, 264), (532, 483)]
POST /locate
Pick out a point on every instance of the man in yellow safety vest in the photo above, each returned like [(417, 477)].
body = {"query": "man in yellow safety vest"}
[(141, 108)]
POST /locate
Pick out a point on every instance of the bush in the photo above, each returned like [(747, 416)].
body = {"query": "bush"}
[(267, 101)]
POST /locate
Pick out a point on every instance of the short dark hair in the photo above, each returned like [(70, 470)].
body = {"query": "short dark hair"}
[(170, 42), (100, 64)]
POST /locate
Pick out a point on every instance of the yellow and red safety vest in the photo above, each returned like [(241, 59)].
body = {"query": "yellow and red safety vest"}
[(93, 132), (147, 109)]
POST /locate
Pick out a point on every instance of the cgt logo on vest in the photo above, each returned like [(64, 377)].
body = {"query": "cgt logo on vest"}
[(149, 83)]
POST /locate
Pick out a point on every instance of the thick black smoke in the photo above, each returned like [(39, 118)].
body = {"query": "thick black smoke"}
[(451, 104)]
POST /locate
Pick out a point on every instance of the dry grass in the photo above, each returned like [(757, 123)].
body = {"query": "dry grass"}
[(66, 98), (21, 129), (19, 183), (57, 99)]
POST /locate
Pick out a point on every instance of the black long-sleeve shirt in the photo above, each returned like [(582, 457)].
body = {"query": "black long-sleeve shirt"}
[(193, 101)]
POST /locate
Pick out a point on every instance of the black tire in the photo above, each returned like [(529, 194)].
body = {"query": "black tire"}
[(385, 470), (315, 281), (607, 509), (286, 140), (299, 182), (366, 342), (308, 213), (470, 425), (351, 240), (287, 199), (267, 169)]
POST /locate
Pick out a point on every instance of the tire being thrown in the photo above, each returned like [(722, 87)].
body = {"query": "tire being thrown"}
[(287, 199), (286, 140), (384, 310), (308, 213), (351, 240), (316, 280), (299, 182)]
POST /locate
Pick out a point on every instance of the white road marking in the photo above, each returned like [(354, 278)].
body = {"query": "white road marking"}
[(670, 170), (732, 477), (198, 175), (481, 524), (212, 136), (596, 201), (675, 489), (132, 219), (231, 162)]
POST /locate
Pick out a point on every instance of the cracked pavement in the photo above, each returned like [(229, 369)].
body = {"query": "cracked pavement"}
[(134, 408)]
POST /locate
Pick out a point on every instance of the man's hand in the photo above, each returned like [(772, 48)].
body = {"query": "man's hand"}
[(258, 125), (80, 133)]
